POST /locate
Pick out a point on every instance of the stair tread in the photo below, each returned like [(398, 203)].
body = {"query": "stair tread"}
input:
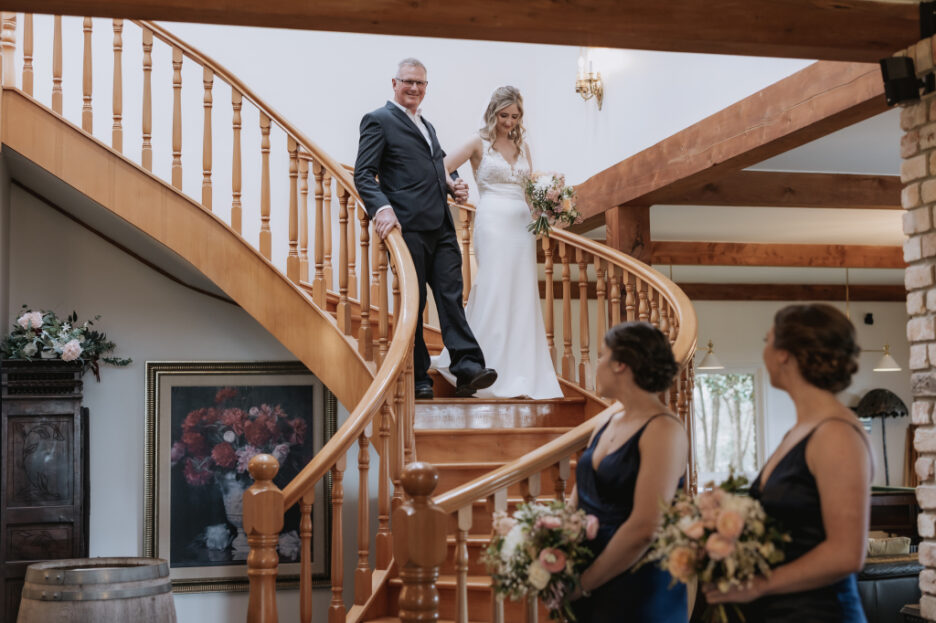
[(449, 581), (493, 431), (523, 401)]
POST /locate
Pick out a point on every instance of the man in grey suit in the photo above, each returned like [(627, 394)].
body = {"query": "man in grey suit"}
[(402, 181)]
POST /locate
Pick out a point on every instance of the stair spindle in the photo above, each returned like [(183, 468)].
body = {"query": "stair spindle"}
[(550, 304), (117, 129), (568, 359), (8, 43), (654, 307), (87, 114), (319, 285), (375, 271), (292, 257), (363, 573), (236, 208), (57, 64), (146, 155), (464, 219), (305, 557), (304, 217), (365, 332), (383, 541), (602, 307), (177, 118), (343, 312), (643, 311), (336, 608), (208, 82), (630, 305), (614, 277), (673, 325), (561, 472), (383, 304), (265, 233), (464, 521), (396, 444), (352, 249), (664, 315), (497, 502), (584, 347), (28, 54), (530, 488), (327, 214)]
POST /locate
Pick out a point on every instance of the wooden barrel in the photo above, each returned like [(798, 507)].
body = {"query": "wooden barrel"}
[(97, 590)]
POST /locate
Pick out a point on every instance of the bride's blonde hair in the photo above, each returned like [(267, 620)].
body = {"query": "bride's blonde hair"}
[(501, 99)]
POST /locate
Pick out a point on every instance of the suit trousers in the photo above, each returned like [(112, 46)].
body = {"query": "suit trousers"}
[(437, 258)]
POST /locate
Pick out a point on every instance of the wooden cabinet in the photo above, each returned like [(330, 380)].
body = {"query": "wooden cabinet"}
[(44, 466)]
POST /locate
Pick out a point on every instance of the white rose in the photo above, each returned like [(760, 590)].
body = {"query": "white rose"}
[(30, 349), (511, 542), (229, 436), (23, 321), (35, 319), (537, 575), (71, 351)]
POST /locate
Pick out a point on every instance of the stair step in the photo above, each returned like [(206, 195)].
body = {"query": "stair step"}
[(479, 599), (499, 413), (452, 475), (485, 444), (476, 546)]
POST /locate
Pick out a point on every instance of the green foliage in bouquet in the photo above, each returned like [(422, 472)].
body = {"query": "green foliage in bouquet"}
[(43, 335)]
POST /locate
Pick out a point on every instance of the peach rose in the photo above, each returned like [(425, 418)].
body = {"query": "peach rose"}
[(680, 563), (591, 527), (719, 547), (503, 523), (549, 522), (552, 560), (694, 529), (729, 524)]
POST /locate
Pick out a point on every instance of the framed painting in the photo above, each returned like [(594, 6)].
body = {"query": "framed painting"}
[(204, 422)]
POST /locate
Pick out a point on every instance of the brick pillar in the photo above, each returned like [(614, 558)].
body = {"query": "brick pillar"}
[(918, 173)]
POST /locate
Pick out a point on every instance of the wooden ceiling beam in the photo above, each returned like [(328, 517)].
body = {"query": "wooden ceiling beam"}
[(812, 103), (783, 189), (846, 30), (769, 254)]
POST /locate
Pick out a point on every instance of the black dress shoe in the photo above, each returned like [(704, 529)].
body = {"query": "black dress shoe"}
[(481, 379), (424, 393)]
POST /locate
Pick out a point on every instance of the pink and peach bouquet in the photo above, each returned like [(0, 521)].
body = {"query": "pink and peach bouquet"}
[(540, 551), (720, 537), (550, 202)]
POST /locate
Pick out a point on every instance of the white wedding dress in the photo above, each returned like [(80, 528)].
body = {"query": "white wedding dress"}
[(504, 309)]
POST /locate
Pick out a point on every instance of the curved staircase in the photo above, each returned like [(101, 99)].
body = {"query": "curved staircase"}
[(345, 304)]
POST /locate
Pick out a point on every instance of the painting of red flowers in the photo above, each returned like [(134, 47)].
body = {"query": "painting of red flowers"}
[(208, 420)]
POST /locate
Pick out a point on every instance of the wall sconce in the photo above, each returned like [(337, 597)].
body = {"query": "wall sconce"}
[(709, 360), (588, 84)]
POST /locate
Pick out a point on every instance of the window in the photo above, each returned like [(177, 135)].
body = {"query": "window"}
[(726, 427)]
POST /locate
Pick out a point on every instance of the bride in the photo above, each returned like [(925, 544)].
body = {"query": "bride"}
[(504, 309)]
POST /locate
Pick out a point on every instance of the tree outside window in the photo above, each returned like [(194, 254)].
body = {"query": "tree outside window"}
[(725, 425)]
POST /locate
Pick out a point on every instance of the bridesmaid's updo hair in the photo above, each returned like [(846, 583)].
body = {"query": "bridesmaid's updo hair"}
[(501, 99), (822, 340), (644, 349)]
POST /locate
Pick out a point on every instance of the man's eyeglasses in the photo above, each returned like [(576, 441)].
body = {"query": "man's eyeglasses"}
[(421, 84)]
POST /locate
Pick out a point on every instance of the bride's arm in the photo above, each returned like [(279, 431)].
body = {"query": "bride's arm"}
[(529, 155), (663, 449), (470, 150)]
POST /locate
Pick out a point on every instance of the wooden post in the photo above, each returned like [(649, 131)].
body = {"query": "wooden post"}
[(305, 559), (383, 540), (292, 258), (548, 268), (208, 82), (57, 63), (303, 216), (117, 129), (419, 544), (87, 115), (319, 286), (236, 208), (266, 241), (177, 117), (8, 42), (363, 573), (628, 230), (28, 54), (263, 521), (336, 607)]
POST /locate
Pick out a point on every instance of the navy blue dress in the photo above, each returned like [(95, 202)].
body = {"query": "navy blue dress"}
[(608, 493), (791, 497)]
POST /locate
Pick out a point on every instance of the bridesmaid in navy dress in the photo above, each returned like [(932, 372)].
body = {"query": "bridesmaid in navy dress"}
[(635, 460), (817, 481)]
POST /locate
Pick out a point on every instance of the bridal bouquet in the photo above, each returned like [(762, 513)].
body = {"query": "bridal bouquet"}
[(540, 551), (43, 335), (550, 201), (720, 537)]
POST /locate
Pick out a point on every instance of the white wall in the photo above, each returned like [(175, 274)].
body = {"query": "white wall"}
[(58, 265), (738, 330)]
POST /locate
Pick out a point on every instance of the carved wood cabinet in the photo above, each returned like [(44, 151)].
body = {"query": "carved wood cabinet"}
[(43, 471)]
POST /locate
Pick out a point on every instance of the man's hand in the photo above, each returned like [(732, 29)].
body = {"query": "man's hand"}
[(460, 189), (384, 222)]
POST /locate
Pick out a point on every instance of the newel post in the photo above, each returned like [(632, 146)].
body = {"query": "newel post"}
[(263, 521), (419, 547)]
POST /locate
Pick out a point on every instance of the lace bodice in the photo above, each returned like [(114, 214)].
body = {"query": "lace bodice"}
[(494, 168)]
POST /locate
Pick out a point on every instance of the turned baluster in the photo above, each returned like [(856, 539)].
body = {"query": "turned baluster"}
[(584, 346), (409, 413), (352, 247), (602, 307), (8, 43), (177, 117), (383, 541), (673, 325), (327, 214), (336, 608), (305, 557), (265, 233), (383, 303), (464, 217), (146, 155), (318, 283), (497, 502), (396, 300), (292, 256), (263, 521), (614, 277), (421, 545), (304, 217), (365, 332), (630, 305), (236, 102), (550, 310), (643, 311), (87, 114), (397, 443), (27, 54), (663, 315), (117, 129), (208, 82), (375, 271), (343, 311), (568, 360), (57, 63), (463, 520), (530, 490), (363, 573), (560, 473)]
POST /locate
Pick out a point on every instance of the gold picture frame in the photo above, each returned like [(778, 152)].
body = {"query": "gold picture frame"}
[(204, 420)]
